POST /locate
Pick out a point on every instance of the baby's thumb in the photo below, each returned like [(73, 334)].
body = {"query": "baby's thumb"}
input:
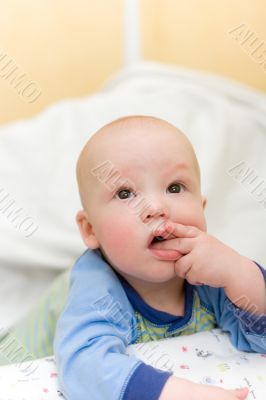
[(240, 393)]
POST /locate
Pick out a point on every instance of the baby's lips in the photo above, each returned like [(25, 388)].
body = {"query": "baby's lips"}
[(159, 233), (163, 245)]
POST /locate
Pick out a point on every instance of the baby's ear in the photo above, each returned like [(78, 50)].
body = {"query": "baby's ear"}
[(86, 231), (204, 201)]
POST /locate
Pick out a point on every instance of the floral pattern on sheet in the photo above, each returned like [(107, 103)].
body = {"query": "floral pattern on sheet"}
[(208, 358)]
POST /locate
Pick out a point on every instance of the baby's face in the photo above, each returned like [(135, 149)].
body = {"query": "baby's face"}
[(151, 178)]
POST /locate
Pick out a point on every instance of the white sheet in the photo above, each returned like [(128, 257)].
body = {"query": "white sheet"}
[(205, 357), (225, 122)]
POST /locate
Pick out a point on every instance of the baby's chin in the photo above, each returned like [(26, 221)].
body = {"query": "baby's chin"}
[(158, 267), (159, 277)]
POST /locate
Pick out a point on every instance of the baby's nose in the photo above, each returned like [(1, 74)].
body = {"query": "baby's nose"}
[(154, 211)]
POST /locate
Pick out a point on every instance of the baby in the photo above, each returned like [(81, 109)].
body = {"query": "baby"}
[(151, 271)]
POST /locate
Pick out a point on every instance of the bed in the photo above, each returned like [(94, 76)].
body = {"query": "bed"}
[(225, 121)]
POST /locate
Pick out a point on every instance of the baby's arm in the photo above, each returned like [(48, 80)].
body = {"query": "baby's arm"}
[(177, 388), (91, 338), (239, 309), (246, 287)]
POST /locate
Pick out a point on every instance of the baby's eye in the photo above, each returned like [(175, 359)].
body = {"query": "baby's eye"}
[(175, 187), (124, 194)]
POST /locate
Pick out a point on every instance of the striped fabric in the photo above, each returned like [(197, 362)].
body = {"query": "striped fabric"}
[(33, 337), (201, 320)]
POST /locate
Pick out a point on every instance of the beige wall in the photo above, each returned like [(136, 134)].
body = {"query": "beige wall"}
[(66, 48), (195, 34)]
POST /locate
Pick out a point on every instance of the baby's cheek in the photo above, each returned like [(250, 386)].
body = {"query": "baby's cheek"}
[(117, 236), (118, 245)]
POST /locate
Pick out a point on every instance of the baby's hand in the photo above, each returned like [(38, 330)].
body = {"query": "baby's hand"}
[(177, 388), (205, 259)]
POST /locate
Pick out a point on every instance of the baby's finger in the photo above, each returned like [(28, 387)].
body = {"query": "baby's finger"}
[(183, 265), (180, 230)]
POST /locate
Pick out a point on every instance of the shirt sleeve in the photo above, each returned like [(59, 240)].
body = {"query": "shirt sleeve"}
[(146, 383), (91, 338), (247, 330)]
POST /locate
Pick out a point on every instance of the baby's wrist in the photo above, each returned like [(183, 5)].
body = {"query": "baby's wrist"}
[(239, 270), (236, 271), (177, 388)]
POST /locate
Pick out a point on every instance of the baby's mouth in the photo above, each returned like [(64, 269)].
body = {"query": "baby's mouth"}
[(157, 239), (156, 248), (154, 239)]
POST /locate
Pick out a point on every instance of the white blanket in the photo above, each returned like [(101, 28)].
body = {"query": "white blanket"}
[(225, 121), (206, 357)]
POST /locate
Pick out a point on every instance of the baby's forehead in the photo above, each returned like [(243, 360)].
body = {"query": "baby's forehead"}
[(137, 137), (128, 145), (115, 138), (134, 164)]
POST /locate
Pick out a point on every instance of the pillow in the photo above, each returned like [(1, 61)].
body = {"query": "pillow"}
[(38, 192)]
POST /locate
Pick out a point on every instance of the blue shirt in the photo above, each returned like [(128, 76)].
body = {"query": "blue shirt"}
[(99, 322)]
